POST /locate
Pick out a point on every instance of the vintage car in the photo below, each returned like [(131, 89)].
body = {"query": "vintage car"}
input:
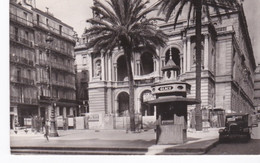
[(237, 126)]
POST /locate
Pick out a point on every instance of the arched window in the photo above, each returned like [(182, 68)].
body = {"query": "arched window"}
[(147, 65), (121, 69)]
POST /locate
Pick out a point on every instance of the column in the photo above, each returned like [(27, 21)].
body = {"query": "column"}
[(109, 69), (206, 52), (90, 66), (102, 67), (64, 112), (188, 53), (115, 72), (157, 63), (138, 67), (181, 63), (184, 55)]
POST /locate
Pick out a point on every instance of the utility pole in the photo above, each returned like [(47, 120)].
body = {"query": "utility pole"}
[(53, 130)]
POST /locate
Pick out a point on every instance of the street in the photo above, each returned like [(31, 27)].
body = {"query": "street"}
[(233, 148)]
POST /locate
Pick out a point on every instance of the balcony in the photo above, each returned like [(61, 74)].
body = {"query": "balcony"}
[(20, 20), (21, 40), (63, 67), (54, 30), (15, 99), (21, 60), (64, 84), (21, 80)]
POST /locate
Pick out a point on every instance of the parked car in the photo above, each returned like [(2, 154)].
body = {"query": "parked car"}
[(237, 126)]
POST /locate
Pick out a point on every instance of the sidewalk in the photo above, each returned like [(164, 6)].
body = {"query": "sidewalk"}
[(109, 142)]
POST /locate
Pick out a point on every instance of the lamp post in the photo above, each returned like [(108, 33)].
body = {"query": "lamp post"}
[(53, 130)]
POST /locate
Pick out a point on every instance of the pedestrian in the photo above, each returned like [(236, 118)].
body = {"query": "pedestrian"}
[(46, 134)]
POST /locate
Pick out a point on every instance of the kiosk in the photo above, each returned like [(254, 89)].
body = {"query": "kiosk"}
[(171, 106)]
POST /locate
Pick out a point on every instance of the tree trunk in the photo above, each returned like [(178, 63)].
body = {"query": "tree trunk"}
[(198, 115), (128, 53)]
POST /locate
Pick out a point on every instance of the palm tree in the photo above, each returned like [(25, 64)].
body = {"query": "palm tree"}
[(169, 6), (123, 24)]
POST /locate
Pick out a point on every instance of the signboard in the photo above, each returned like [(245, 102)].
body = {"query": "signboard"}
[(93, 117), (170, 88), (148, 97), (167, 122), (60, 121), (70, 122)]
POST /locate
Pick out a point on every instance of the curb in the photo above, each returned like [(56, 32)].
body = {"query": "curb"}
[(179, 150)]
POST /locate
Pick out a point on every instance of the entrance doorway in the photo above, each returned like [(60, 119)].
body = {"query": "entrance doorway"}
[(123, 101)]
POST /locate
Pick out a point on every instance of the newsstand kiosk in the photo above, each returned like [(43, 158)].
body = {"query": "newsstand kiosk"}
[(171, 106)]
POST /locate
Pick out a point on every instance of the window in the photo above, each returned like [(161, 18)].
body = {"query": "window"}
[(16, 33), (26, 35), (38, 19), (84, 60), (18, 73), (25, 16), (60, 29), (29, 74), (47, 22)]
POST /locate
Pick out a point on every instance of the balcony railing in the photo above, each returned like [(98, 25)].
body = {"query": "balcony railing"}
[(21, 40), (23, 100), (64, 84), (22, 80), (21, 60), (21, 20), (57, 31), (61, 66)]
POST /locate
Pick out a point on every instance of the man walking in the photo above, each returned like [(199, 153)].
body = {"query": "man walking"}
[(46, 134)]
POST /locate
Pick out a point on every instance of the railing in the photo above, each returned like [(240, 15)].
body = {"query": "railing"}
[(63, 84), (60, 50), (22, 60), (18, 79), (57, 31), (23, 100), (19, 19), (22, 40), (122, 83), (145, 81), (61, 66)]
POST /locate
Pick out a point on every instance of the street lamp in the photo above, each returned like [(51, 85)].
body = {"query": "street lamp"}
[(53, 130)]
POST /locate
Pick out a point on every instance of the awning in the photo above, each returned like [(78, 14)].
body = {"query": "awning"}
[(188, 101)]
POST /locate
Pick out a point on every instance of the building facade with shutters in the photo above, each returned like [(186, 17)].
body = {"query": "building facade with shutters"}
[(42, 75), (228, 64)]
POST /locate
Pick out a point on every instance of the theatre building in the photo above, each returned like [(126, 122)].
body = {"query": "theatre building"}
[(228, 65)]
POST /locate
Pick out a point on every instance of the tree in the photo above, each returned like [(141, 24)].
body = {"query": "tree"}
[(169, 6), (123, 24)]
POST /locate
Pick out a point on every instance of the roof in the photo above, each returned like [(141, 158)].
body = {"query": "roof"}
[(170, 65), (174, 99)]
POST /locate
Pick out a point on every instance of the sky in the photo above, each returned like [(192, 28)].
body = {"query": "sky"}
[(76, 12)]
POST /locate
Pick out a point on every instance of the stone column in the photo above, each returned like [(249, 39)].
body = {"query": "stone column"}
[(188, 53), (181, 63), (102, 67), (64, 112), (206, 52), (90, 67), (109, 69), (184, 55), (115, 72), (138, 67)]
